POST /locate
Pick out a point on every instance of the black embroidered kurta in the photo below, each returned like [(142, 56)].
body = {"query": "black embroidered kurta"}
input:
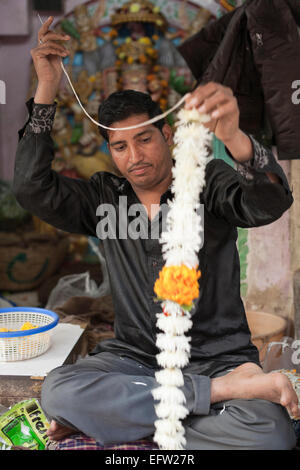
[(242, 197)]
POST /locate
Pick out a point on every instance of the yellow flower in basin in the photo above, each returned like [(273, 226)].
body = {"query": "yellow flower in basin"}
[(27, 326)]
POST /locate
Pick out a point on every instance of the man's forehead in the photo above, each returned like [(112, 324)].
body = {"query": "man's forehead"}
[(131, 133)]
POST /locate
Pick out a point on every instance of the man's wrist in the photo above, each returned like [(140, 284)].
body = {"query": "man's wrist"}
[(240, 147), (45, 93)]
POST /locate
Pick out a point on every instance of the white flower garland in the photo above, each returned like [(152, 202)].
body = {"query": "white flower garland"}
[(181, 243)]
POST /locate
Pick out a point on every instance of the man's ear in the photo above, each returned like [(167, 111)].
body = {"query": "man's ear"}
[(168, 134)]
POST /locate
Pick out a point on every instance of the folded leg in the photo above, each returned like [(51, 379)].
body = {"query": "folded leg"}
[(108, 397), (241, 425)]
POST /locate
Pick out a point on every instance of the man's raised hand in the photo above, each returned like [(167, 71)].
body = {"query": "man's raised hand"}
[(46, 57), (219, 102)]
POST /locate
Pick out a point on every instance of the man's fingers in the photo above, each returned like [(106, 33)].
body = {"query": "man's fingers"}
[(44, 29), (48, 49), (197, 98), (224, 109), (52, 44), (45, 35), (51, 36), (216, 101)]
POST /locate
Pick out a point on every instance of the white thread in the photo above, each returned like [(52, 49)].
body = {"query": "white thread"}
[(142, 124)]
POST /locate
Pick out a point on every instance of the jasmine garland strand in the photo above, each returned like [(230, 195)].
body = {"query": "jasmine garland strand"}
[(180, 245)]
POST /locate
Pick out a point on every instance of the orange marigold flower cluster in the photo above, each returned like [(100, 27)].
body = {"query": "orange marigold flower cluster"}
[(178, 283)]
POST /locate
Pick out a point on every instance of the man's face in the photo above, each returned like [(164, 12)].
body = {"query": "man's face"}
[(142, 155)]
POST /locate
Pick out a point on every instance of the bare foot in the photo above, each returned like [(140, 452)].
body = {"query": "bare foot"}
[(57, 431), (248, 381)]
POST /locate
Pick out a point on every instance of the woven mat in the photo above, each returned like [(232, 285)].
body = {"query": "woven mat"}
[(82, 442)]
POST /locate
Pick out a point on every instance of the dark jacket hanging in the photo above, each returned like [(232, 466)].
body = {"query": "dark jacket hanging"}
[(255, 50)]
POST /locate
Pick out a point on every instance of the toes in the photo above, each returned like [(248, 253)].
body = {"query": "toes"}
[(57, 431), (294, 407), (53, 426), (289, 399)]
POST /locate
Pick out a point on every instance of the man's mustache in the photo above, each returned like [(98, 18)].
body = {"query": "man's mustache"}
[(136, 167)]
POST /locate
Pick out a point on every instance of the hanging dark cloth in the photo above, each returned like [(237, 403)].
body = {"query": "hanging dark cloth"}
[(255, 50)]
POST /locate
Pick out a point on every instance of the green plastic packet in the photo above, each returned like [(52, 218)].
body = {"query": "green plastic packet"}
[(24, 425)]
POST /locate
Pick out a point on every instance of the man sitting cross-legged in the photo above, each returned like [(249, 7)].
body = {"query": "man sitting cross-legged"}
[(107, 395)]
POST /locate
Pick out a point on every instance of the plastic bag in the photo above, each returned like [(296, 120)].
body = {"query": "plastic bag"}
[(25, 425), (75, 285)]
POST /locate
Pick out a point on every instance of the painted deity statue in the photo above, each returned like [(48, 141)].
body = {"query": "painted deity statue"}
[(135, 50)]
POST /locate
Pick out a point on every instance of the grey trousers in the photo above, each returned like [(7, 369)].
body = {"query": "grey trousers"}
[(108, 397)]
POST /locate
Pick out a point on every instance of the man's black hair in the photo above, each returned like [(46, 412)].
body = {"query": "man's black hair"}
[(122, 104)]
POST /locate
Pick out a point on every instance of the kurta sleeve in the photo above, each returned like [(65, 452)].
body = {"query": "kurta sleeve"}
[(244, 196), (67, 203)]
